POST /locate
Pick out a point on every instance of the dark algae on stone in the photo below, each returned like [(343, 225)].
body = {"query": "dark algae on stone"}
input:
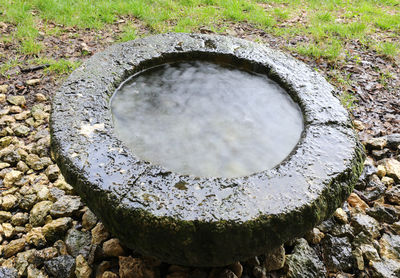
[(202, 221)]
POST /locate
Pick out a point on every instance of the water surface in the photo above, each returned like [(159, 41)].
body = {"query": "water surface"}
[(205, 119)]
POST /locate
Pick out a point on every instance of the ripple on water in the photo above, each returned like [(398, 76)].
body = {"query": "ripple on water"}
[(205, 119)]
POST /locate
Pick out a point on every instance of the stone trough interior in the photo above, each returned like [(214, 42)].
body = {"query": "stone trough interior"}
[(208, 219), (204, 119)]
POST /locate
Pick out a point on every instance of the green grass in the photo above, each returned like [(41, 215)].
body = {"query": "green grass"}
[(385, 77), (389, 22), (60, 66), (130, 33), (328, 24), (280, 14), (30, 46), (348, 100), (388, 49), (9, 64), (329, 49), (241, 10), (341, 78)]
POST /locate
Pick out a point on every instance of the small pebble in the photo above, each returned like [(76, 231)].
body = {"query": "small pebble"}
[(40, 97), (376, 143), (387, 181), (15, 109), (99, 234), (9, 202), (109, 274), (381, 171), (4, 216), (4, 165), (82, 268), (355, 201), (113, 248), (341, 216), (358, 125), (17, 100), (32, 82), (3, 89)]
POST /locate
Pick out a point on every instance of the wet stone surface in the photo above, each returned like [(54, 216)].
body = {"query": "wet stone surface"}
[(371, 257), (205, 223)]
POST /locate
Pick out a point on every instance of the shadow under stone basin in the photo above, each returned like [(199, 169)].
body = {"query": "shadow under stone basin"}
[(202, 221)]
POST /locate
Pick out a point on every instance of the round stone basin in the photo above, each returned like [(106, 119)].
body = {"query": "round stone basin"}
[(207, 120), (189, 216)]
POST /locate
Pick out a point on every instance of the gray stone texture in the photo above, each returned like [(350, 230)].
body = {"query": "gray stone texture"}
[(215, 221)]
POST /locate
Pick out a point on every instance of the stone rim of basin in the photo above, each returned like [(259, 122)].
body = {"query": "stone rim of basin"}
[(188, 220)]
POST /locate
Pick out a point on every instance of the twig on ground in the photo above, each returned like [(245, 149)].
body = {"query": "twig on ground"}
[(35, 68)]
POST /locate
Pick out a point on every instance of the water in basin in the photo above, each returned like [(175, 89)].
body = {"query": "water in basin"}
[(206, 119)]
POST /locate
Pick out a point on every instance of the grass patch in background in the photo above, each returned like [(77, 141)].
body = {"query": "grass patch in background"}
[(129, 33), (11, 63), (385, 77), (328, 24), (60, 66), (242, 10), (329, 49), (348, 100), (280, 14), (30, 46), (388, 49)]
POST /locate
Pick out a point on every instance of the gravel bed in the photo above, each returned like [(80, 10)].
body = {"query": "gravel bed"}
[(46, 230)]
